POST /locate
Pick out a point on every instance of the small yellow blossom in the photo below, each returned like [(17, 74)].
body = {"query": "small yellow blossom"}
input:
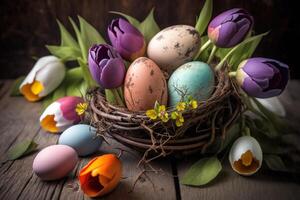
[(181, 106), (152, 114), (179, 120), (193, 104), (159, 112), (81, 108), (162, 114)]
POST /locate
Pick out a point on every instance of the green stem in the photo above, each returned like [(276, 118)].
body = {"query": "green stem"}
[(212, 54), (117, 97), (247, 131), (203, 47), (232, 74), (120, 92)]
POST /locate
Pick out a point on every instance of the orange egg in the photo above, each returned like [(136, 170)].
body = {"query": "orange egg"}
[(144, 85)]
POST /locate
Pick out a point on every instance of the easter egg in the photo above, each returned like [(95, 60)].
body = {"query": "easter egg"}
[(174, 46), (82, 138), (194, 79), (144, 85), (54, 162)]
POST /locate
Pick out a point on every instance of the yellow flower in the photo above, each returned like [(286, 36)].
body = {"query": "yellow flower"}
[(193, 104), (152, 114), (178, 117), (181, 106), (81, 108), (162, 114)]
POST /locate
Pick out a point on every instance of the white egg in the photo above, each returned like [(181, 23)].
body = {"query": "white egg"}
[(174, 46), (245, 156)]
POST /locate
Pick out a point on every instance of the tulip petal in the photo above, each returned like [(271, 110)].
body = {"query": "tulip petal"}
[(223, 17), (51, 77), (256, 68), (226, 33), (251, 87), (113, 74), (94, 68), (28, 94), (126, 27), (68, 108), (101, 175), (48, 123)]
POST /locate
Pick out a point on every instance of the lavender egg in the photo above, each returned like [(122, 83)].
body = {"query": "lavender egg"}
[(54, 162)]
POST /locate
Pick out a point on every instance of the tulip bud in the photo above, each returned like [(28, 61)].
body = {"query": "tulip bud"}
[(127, 40), (101, 175), (230, 27), (106, 66), (46, 75), (262, 77), (61, 114)]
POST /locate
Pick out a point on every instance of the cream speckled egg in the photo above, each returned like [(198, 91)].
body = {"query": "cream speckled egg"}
[(144, 84), (174, 46)]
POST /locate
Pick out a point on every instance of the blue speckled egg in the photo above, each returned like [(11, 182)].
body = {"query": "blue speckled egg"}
[(195, 79), (82, 138)]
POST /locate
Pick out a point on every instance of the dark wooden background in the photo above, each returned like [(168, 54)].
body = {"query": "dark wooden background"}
[(27, 25)]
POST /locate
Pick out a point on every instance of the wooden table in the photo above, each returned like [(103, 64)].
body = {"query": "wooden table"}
[(19, 120)]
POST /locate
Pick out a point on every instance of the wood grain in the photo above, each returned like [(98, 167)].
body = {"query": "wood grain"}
[(20, 120), (264, 184)]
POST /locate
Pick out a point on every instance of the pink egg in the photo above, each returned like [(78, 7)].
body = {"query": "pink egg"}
[(54, 162)]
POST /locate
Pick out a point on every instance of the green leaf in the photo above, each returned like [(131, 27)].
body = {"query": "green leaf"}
[(205, 54), (21, 149), (59, 92), (80, 41), (275, 163), (231, 135), (64, 52), (110, 98), (73, 88), (131, 20), (149, 26), (89, 34), (204, 17), (202, 172), (47, 101), (66, 37), (244, 52), (238, 48), (16, 85)]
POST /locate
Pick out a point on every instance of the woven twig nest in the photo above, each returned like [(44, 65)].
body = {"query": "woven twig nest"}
[(212, 118)]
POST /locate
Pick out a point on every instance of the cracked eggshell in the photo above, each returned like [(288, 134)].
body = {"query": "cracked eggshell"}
[(174, 46), (144, 84), (239, 148)]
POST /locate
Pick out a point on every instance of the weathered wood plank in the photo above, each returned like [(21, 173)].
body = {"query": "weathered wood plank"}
[(20, 120), (264, 185)]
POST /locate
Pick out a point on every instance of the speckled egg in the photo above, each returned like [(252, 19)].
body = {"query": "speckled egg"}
[(144, 84), (82, 138), (174, 46), (195, 79), (54, 162)]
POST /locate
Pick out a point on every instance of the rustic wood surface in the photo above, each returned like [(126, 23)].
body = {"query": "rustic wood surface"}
[(19, 120)]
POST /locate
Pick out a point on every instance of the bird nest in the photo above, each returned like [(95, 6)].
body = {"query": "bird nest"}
[(201, 127)]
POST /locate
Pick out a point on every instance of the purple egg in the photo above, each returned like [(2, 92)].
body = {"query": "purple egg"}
[(54, 162)]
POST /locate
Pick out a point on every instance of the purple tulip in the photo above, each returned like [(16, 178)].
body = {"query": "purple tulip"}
[(106, 66), (126, 39), (262, 77), (230, 27)]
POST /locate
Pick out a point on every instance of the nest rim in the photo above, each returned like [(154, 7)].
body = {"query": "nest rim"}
[(125, 126)]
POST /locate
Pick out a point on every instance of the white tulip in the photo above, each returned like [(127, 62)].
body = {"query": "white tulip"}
[(274, 105), (45, 76)]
